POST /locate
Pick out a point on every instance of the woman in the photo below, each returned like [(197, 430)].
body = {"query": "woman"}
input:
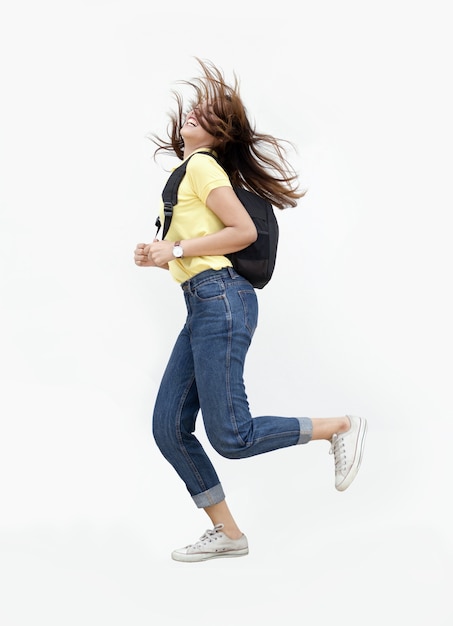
[(205, 370)]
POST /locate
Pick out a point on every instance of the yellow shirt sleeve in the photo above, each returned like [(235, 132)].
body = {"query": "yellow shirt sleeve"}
[(205, 174), (192, 218)]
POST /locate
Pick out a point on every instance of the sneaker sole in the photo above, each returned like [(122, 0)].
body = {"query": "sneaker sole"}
[(358, 459), (206, 556)]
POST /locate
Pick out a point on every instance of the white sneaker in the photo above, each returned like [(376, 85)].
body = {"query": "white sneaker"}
[(347, 449), (213, 544)]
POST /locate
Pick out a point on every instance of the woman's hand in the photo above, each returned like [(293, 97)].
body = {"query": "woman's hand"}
[(160, 252), (141, 255), (156, 254)]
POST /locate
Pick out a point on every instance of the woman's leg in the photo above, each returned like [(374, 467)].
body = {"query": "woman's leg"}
[(223, 318), (206, 369), (175, 413), (323, 429)]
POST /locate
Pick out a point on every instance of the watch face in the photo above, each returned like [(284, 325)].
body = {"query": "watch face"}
[(177, 252)]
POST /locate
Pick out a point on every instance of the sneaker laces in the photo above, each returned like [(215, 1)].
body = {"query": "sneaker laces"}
[(209, 534), (338, 450)]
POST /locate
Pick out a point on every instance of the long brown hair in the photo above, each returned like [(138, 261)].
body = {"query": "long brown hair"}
[(251, 159)]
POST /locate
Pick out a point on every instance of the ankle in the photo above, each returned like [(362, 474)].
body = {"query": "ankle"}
[(232, 532), (345, 425), (326, 427)]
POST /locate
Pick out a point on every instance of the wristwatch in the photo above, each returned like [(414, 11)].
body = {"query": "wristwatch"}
[(178, 252)]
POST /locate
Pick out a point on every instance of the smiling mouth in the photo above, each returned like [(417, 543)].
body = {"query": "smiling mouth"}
[(191, 122)]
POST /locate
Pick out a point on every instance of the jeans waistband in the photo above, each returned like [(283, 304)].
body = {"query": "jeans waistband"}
[(226, 273)]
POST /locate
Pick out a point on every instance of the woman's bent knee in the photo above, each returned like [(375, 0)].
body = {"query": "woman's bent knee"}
[(230, 450)]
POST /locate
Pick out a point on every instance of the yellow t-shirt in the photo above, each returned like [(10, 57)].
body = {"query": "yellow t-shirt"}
[(192, 218)]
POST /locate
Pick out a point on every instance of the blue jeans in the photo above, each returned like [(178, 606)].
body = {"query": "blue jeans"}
[(205, 372)]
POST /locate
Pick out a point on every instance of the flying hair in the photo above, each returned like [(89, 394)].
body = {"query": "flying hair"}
[(253, 160)]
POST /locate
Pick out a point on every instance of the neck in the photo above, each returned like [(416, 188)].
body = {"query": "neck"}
[(188, 150)]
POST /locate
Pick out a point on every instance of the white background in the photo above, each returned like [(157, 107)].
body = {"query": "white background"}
[(356, 319)]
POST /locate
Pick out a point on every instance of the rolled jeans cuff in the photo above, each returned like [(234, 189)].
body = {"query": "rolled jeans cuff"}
[(306, 430), (209, 497)]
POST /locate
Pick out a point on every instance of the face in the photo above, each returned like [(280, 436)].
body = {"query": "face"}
[(193, 133)]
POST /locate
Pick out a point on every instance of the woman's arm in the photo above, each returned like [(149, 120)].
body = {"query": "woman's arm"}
[(239, 231)]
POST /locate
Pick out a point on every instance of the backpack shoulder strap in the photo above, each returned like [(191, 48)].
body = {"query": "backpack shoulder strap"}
[(170, 193)]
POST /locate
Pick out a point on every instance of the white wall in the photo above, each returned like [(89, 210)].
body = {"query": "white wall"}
[(357, 318)]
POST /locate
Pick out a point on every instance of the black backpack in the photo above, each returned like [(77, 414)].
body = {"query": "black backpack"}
[(256, 263)]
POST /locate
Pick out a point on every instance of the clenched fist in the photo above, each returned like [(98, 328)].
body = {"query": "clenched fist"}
[(141, 255), (156, 254), (160, 252)]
